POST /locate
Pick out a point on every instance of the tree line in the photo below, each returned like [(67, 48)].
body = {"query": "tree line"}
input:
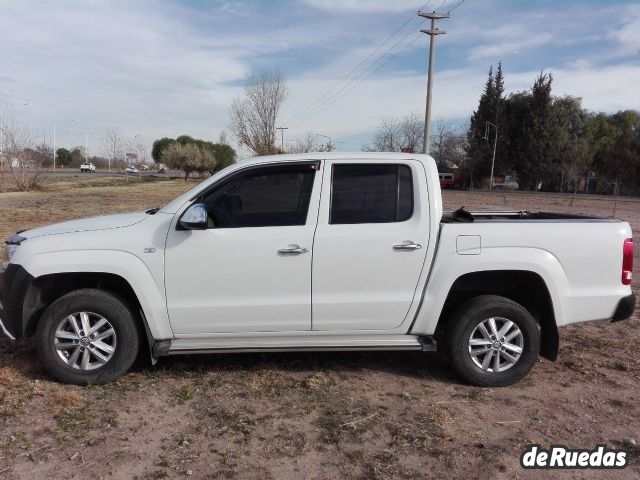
[(547, 142), (550, 142)]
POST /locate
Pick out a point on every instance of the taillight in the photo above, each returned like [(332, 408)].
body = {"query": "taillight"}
[(627, 261)]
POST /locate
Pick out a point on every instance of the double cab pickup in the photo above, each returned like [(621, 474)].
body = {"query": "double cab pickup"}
[(319, 251)]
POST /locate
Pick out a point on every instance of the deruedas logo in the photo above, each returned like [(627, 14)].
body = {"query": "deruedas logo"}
[(559, 456)]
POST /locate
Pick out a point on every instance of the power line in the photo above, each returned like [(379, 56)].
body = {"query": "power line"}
[(371, 70), (330, 93), (457, 5)]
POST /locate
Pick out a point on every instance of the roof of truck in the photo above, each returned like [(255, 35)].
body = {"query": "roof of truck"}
[(336, 156)]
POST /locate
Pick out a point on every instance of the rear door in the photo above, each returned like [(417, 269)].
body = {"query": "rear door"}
[(370, 244)]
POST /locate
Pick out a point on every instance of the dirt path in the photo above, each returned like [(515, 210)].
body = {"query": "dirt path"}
[(313, 415)]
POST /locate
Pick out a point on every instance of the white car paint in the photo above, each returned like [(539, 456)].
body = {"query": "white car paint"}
[(203, 288)]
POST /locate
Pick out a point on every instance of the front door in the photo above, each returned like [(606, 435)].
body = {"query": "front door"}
[(251, 270), (370, 244)]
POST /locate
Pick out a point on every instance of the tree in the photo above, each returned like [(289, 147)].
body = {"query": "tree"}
[(158, 148), (448, 143), (479, 148), (224, 154), (113, 145), (253, 118), (404, 134), (535, 163), (25, 163), (136, 146), (78, 156), (571, 155), (63, 157), (189, 158)]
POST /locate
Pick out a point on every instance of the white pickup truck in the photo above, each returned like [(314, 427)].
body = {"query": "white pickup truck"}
[(88, 167), (326, 251)]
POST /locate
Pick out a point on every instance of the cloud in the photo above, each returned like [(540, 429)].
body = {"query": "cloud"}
[(369, 6), (628, 35), (166, 68), (508, 40)]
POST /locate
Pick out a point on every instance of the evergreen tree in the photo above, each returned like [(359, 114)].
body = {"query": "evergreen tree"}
[(536, 162), (480, 148)]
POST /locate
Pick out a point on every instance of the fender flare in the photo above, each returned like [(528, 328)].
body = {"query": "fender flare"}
[(123, 264), (449, 268)]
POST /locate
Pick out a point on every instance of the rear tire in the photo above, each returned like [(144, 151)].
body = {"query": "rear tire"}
[(88, 336), (473, 346)]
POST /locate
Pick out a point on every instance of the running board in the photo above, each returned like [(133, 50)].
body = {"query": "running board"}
[(309, 343)]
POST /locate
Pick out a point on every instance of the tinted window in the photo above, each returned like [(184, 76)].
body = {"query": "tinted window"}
[(371, 194), (262, 197)]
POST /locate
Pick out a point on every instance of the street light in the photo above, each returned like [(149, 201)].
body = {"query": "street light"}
[(495, 143), (327, 137)]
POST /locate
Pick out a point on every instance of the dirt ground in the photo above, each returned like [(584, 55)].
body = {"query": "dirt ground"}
[(312, 415)]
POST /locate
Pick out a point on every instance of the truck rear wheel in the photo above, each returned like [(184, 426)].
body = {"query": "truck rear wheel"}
[(86, 337), (492, 341)]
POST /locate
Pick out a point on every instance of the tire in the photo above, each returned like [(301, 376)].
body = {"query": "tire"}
[(56, 332), (466, 336)]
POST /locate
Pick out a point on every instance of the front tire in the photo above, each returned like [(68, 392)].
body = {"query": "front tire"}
[(492, 341), (88, 336)]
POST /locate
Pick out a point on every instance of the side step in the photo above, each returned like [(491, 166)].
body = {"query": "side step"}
[(297, 343)]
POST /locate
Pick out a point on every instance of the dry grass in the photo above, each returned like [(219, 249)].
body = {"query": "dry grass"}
[(314, 415)]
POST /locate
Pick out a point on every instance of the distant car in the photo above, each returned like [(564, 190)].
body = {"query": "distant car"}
[(132, 169), (162, 169), (88, 167)]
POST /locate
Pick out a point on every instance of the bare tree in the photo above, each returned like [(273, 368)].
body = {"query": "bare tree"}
[(399, 135), (303, 145), (113, 145), (448, 143), (253, 118), (137, 147), (24, 161)]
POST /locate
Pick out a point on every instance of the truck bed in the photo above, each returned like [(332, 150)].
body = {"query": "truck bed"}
[(486, 216)]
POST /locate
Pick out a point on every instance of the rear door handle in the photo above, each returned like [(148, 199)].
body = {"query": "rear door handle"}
[(407, 245), (292, 250)]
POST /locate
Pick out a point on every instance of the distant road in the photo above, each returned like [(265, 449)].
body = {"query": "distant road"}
[(72, 172)]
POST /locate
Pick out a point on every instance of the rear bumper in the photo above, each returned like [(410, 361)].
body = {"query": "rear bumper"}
[(625, 308)]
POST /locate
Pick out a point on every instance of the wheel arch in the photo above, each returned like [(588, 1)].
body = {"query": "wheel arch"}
[(525, 287), (44, 290)]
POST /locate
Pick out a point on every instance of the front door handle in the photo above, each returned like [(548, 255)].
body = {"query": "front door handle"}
[(407, 245), (292, 250)]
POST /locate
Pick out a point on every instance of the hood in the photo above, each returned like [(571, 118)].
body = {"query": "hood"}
[(103, 222)]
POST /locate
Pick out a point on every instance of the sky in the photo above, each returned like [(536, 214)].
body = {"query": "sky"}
[(165, 68)]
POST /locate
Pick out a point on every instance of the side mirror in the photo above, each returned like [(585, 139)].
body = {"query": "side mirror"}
[(194, 218)]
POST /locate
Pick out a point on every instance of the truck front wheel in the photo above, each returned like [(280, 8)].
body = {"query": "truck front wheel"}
[(492, 341), (88, 336)]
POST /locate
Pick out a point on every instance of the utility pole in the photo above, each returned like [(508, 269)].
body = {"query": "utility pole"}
[(54, 145), (282, 129), (432, 32), (495, 143)]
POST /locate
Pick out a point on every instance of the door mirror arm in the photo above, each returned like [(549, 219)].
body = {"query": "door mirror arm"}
[(194, 218)]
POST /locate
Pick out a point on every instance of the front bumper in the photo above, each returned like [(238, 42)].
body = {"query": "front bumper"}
[(625, 308), (14, 283)]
